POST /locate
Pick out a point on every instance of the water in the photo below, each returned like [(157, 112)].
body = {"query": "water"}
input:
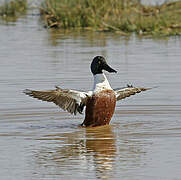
[(39, 141)]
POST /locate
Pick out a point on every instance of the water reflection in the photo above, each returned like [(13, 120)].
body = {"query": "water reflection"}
[(95, 152), (87, 150), (102, 142), (98, 39), (93, 38), (89, 39)]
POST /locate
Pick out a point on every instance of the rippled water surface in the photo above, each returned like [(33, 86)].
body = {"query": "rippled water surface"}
[(40, 141)]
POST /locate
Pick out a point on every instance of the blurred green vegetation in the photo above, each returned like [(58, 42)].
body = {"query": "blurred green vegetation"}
[(12, 10), (120, 16)]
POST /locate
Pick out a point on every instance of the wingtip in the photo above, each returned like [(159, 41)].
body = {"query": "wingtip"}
[(152, 87), (57, 87), (155, 87), (27, 91)]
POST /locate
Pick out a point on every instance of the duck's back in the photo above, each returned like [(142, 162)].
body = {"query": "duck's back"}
[(100, 108)]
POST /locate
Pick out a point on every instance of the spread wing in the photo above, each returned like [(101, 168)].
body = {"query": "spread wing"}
[(69, 100), (122, 93)]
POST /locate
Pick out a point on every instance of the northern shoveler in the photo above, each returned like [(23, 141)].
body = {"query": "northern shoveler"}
[(100, 102)]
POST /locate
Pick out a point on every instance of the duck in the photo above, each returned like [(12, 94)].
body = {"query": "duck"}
[(99, 103)]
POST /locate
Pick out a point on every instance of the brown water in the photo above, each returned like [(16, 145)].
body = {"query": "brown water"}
[(40, 141)]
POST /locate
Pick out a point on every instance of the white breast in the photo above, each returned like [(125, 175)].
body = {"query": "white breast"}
[(100, 83)]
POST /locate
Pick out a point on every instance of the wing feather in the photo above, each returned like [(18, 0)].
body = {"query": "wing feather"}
[(68, 100), (122, 93)]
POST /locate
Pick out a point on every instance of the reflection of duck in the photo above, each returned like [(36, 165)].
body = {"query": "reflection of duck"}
[(100, 102), (90, 152), (101, 142)]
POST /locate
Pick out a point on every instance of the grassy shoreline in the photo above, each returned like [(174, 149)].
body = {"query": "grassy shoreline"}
[(12, 10), (120, 16)]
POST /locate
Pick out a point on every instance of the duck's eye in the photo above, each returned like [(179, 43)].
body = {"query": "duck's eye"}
[(99, 62)]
